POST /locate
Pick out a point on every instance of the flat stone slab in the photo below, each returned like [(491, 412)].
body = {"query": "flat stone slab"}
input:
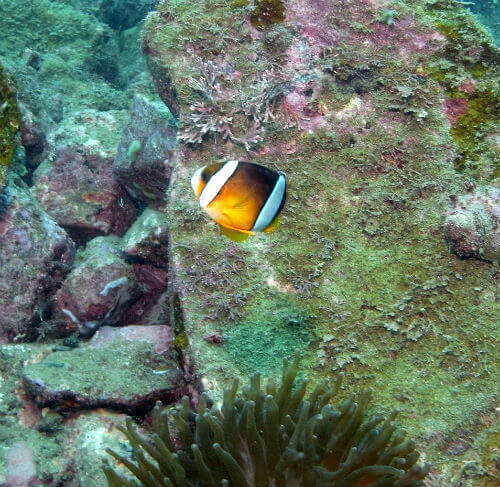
[(126, 370)]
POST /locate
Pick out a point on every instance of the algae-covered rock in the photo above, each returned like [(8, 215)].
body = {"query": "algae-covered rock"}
[(56, 51), (77, 188), (126, 370), (26, 450), (147, 238), (358, 276), (9, 124), (86, 440)]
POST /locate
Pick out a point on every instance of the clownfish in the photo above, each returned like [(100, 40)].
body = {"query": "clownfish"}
[(241, 197)]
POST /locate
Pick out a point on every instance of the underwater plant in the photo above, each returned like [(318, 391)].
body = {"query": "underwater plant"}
[(274, 438), (228, 109)]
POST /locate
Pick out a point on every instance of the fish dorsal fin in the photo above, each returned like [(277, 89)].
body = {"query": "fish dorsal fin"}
[(234, 235), (273, 225)]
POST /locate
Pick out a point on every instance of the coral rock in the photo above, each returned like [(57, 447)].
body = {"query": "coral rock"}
[(143, 163), (34, 251), (471, 226), (125, 369), (78, 190), (99, 289)]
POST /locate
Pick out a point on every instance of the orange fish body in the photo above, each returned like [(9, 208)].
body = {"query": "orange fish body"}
[(242, 197)]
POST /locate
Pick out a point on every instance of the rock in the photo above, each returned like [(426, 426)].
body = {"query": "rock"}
[(33, 137), (125, 369), (99, 289), (70, 52), (34, 256), (153, 311), (131, 62), (143, 163), (9, 124), (21, 467), (147, 239), (118, 14), (152, 282), (347, 100), (86, 439), (471, 225), (78, 190)]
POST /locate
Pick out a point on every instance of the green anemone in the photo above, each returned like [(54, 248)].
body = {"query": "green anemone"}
[(276, 437)]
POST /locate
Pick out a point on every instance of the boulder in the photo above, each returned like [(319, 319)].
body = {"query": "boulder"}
[(143, 163), (346, 98), (78, 190), (35, 255), (471, 225), (99, 289), (124, 369)]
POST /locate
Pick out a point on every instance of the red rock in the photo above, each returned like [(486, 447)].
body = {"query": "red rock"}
[(79, 191), (160, 335), (100, 288), (34, 254)]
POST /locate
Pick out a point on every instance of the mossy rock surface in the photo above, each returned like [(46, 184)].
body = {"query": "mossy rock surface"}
[(9, 124), (358, 277)]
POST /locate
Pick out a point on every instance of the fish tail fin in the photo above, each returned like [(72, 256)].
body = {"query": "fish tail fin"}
[(273, 225)]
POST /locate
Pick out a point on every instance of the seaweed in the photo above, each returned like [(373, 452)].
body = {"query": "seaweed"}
[(271, 438)]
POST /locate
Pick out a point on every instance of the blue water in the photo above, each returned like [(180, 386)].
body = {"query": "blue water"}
[(488, 14)]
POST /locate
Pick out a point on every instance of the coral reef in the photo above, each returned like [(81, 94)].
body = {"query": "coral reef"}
[(278, 436)]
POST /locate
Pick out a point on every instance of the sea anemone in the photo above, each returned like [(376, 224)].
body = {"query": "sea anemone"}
[(276, 438)]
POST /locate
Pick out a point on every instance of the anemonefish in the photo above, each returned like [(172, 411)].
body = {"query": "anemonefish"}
[(242, 197)]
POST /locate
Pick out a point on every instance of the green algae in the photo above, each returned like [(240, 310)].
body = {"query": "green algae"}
[(469, 53), (133, 150), (105, 374), (9, 124), (267, 12), (267, 336)]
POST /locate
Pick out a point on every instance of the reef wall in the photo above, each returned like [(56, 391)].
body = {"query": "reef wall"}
[(373, 111), (118, 290)]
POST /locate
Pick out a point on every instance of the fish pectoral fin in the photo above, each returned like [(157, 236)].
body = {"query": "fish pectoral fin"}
[(273, 225), (234, 235)]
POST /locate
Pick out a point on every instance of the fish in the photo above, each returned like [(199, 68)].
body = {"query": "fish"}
[(242, 197)]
